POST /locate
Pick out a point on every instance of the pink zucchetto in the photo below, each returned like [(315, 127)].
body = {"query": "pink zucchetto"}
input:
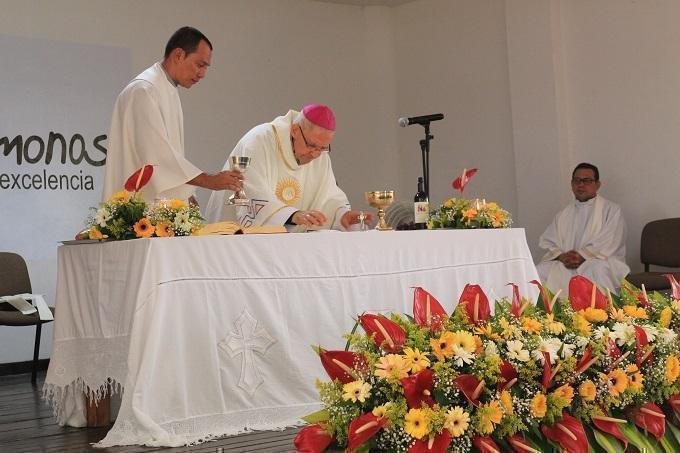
[(320, 115)]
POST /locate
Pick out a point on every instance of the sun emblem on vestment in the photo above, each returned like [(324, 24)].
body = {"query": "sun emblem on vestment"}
[(288, 191)]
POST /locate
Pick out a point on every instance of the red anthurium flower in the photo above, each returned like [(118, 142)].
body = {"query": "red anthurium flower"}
[(641, 342), (436, 444), (674, 401), (508, 374), (516, 307), (485, 444), (675, 286), (545, 297), (418, 389), (312, 439), (427, 311), (610, 425), (586, 360), (520, 445), (569, 433), (581, 294), (386, 334), (470, 386), (139, 178), (475, 303), (547, 370), (363, 428), (342, 365), (651, 418), (460, 182)]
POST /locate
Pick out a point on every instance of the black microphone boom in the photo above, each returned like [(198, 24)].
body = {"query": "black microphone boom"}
[(425, 119)]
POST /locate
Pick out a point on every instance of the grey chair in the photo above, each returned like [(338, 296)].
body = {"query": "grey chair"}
[(659, 246), (14, 279)]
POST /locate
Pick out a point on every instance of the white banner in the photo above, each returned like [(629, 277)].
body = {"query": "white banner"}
[(56, 104)]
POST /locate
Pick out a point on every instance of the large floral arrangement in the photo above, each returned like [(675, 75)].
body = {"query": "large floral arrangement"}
[(590, 372), (465, 213), (127, 216)]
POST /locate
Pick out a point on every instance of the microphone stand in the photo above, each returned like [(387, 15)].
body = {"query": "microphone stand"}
[(425, 152)]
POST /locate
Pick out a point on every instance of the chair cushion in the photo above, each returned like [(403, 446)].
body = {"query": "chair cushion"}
[(653, 281), (15, 318)]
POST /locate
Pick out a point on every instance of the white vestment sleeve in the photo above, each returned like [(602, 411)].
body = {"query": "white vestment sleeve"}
[(147, 132)]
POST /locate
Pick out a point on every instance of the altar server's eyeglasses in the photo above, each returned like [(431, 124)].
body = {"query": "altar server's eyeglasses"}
[(317, 148), (586, 181)]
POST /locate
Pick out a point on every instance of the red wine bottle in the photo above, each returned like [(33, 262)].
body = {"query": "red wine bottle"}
[(421, 207)]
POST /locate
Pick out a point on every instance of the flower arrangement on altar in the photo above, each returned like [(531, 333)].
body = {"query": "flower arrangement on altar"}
[(127, 216), (466, 213), (591, 372)]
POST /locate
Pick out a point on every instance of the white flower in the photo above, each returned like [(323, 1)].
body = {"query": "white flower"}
[(568, 350), (601, 332), (491, 348), (461, 356), (516, 351), (103, 215), (581, 342), (551, 346), (666, 336), (651, 332), (623, 333)]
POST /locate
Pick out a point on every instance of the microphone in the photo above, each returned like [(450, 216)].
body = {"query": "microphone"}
[(403, 122)]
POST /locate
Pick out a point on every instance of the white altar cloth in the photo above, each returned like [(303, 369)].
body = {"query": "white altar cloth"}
[(211, 335)]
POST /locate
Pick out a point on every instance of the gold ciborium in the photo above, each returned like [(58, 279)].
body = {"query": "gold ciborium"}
[(380, 199)]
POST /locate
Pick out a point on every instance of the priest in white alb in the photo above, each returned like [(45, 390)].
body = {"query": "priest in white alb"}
[(147, 125), (290, 180), (586, 238)]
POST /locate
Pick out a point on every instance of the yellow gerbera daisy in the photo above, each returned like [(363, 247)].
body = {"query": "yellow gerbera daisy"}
[(356, 391), (489, 416), (618, 382), (635, 312), (416, 360), (416, 423), (164, 229), (594, 314), (587, 390), (122, 196), (381, 411), (457, 421), (469, 215), (464, 340), (672, 368), (442, 347), (392, 367), (554, 327), (506, 401), (665, 317), (510, 331), (538, 405), (531, 325), (635, 377), (176, 203), (581, 324), (486, 331), (94, 233), (143, 228), (565, 392)]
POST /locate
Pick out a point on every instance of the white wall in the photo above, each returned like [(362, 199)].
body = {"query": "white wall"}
[(529, 88)]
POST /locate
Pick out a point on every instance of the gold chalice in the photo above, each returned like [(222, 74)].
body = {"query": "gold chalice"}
[(380, 199)]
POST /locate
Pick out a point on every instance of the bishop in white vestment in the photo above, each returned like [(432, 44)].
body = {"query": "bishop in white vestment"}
[(290, 180), (586, 238)]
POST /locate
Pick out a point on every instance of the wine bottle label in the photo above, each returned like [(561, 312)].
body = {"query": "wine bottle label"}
[(421, 211)]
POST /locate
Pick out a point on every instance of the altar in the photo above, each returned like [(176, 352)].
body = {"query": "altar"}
[(209, 336)]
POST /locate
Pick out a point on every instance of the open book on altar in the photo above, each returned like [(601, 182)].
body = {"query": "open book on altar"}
[(235, 228)]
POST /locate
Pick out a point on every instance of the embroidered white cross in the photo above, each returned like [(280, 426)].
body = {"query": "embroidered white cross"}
[(247, 340)]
